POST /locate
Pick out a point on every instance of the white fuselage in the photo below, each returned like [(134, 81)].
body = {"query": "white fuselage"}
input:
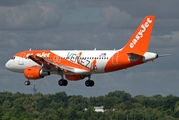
[(18, 64)]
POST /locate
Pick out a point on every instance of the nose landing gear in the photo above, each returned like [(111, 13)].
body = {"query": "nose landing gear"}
[(27, 83)]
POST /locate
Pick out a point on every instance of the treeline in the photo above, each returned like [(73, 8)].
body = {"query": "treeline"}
[(118, 105)]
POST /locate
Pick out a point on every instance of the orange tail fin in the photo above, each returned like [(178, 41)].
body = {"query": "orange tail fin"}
[(140, 39)]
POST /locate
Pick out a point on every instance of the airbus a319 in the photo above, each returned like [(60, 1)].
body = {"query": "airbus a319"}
[(74, 65)]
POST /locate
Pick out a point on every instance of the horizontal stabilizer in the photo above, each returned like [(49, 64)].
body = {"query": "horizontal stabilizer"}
[(135, 52), (134, 56)]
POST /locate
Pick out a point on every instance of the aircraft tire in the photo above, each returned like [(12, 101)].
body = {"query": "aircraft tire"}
[(89, 83), (63, 82), (27, 83)]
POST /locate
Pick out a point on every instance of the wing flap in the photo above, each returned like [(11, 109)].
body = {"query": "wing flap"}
[(68, 68)]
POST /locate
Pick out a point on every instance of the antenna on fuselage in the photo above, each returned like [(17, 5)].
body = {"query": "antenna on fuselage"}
[(30, 49)]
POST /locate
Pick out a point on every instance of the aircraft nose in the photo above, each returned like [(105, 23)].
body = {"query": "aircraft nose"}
[(7, 65)]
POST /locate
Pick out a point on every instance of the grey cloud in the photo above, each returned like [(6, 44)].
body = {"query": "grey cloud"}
[(145, 79), (116, 18), (160, 8), (119, 10), (149, 79), (29, 16), (139, 8), (68, 5), (166, 43), (112, 16), (167, 23), (12, 2), (97, 3)]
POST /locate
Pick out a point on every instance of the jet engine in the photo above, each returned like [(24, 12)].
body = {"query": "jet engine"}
[(34, 73)]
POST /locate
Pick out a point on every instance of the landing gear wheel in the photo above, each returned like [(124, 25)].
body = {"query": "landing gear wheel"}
[(27, 83), (89, 83), (92, 83), (63, 82)]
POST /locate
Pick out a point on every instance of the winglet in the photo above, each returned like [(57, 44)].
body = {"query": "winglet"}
[(141, 37)]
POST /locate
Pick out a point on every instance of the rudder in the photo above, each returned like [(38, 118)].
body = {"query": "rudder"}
[(140, 39)]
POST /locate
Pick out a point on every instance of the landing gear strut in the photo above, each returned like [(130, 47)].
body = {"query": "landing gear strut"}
[(27, 83), (62, 82)]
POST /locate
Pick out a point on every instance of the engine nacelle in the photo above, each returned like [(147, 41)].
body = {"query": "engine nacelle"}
[(34, 73), (75, 77)]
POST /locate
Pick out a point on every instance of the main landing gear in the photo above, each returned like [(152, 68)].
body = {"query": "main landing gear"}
[(27, 83), (63, 82), (89, 83)]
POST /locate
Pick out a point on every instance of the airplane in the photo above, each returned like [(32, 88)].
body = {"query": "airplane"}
[(74, 65)]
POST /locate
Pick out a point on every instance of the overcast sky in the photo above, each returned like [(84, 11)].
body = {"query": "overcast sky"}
[(89, 24)]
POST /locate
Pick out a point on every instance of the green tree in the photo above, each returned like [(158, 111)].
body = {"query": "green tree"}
[(79, 103), (61, 112), (89, 112), (60, 97)]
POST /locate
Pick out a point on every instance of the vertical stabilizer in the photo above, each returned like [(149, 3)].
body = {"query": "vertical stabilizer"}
[(140, 39)]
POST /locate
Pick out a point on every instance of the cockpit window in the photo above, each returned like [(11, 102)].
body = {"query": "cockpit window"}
[(13, 58)]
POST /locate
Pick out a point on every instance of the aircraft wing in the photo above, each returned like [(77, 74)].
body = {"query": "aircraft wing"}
[(46, 62)]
